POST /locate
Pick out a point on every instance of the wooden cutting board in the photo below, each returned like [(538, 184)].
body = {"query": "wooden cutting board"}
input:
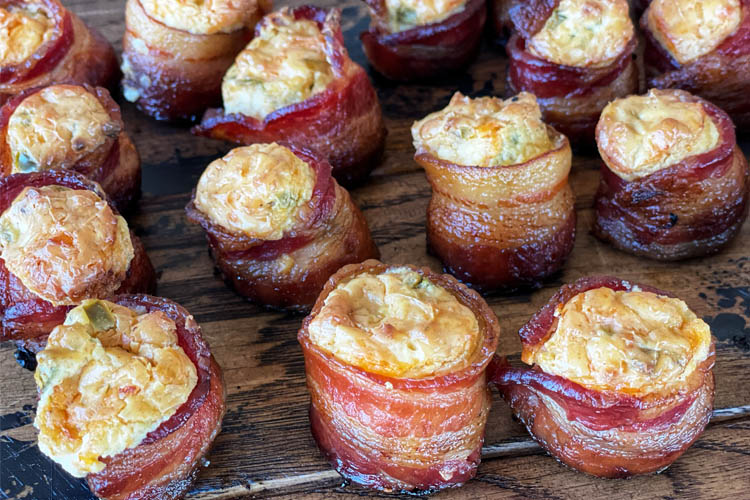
[(265, 448)]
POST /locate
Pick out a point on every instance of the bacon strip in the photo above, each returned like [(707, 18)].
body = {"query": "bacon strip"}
[(603, 433), (424, 51), (343, 123), (505, 226), (400, 434), (334, 234), (689, 209), (24, 315)]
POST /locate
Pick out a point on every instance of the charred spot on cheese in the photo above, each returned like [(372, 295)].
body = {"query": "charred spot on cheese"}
[(397, 323), (408, 14), (688, 29), (57, 127), (22, 31), (587, 33), (631, 342), (640, 135), (260, 191), (203, 17), (65, 245), (107, 377), (484, 132), (285, 64)]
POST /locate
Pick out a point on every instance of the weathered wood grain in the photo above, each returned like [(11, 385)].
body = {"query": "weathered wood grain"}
[(266, 448)]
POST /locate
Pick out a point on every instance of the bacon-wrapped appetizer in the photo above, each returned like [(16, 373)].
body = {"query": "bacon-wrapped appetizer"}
[(702, 47), (502, 213), (176, 51), (674, 183), (61, 242), (396, 360), (71, 127), (130, 397), (278, 225), (620, 381), (296, 83), (416, 39), (575, 56), (42, 43)]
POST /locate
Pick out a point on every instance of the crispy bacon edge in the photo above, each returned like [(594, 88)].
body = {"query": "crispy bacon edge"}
[(689, 209), (247, 263), (393, 434), (426, 51), (343, 123), (175, 75), (77, 54), (721, 76), (116, 165), (606, 434), (469, 217), (28, 318)]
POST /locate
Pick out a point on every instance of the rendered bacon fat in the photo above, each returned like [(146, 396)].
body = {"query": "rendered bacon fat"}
[(327, 104), (176, 51), (62, 243), (701, 47), (43, 43), (502, 213), (621, 381), (674, 183), (144, 436), (75, 127), (395, 358), (575, 57), (410, 40), (278, 225)]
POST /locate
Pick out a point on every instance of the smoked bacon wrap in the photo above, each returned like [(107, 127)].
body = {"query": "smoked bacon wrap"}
[(605, 431), (709, 58), (690, 207), (63, 49), (402, 432), (165, 377), (501, 225), (342, 121), (99, 147), (573, 78), (27, 315), (423, 51), (175, 53), (287, 265)]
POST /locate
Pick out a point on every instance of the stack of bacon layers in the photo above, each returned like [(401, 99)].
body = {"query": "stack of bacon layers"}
[(604, 433)]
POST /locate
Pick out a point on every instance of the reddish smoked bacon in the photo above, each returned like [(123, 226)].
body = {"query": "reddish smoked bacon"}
[(343, 122), (25, 315), (425, 51), (400, 434), (115, 165), (74, 53), (604, 433)]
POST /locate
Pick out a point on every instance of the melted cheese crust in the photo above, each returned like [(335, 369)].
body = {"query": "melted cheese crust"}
[(107, 377), (688, 29), (259, 191), (640, 135), (584, 33), (57, 127), (63, 243), (630, 342), (284, 65), (202, 17), (408, 14), (398, 324), (484, 132), (22, 32)]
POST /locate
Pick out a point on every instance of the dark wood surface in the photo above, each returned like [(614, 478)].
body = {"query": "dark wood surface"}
[(265, 448)]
